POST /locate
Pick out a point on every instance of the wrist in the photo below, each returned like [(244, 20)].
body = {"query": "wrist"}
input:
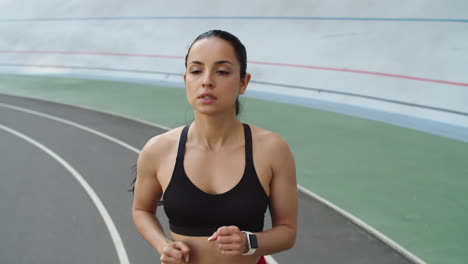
[(161, 245), (252, 243)]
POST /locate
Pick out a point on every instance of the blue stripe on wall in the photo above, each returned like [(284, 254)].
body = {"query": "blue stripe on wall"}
[(235, 18)]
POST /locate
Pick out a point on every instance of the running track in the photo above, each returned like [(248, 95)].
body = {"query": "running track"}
[(52, 218)]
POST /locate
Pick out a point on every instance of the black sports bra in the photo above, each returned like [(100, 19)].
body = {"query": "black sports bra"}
[(193, 212)]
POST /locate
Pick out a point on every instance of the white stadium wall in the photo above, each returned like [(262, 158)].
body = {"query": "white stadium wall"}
[(406, 57)]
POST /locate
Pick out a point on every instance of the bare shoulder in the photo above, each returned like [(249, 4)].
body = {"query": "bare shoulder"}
[(158, 146), (273, 152), (266, 140)]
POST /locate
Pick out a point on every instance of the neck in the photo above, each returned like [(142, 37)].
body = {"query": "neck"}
[(215, 131)]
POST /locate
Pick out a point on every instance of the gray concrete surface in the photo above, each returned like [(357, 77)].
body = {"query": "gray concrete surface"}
[(45, 216), (51, 220), (420, 39)]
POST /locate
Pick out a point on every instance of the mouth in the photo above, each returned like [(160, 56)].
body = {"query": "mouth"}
[(207, 96)]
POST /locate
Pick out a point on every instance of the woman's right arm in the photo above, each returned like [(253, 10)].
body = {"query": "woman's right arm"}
[(147, 193)]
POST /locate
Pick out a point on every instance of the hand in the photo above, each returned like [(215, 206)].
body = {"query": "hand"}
[(175, 253), (231, 241)]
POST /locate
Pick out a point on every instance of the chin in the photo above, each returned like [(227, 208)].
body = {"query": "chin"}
[(211, 112)]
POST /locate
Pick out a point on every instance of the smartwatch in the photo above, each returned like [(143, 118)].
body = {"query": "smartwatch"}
[(252, 241)]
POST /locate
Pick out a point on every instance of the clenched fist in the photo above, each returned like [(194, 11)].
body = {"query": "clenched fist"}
[(231, 241), (175, 253)]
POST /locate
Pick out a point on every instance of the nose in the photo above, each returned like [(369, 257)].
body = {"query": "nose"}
[(207, 81)]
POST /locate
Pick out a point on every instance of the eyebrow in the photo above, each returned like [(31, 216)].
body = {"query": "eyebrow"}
[(216, 63)]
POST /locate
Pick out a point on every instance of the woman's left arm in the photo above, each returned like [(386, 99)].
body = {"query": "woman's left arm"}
[(283, 201)]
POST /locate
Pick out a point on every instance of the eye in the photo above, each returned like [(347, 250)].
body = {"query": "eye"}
[(222, 72), (195, 71)]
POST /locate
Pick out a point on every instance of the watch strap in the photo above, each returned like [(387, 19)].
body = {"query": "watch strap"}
[(251, 250)]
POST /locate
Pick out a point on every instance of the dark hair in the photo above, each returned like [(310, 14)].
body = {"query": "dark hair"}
[(239, 50)]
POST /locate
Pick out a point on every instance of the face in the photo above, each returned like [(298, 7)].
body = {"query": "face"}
[(213, 78)]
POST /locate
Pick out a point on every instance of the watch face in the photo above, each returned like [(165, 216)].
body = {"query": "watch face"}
[(253, 241)]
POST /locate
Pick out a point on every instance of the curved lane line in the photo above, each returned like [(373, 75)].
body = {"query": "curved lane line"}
[(365, 226), (307, 192), (119, 247), (76, 106), (58, 119), (381, 74)]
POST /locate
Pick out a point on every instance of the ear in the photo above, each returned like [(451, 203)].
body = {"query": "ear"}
[(244, 83), (185, 78)]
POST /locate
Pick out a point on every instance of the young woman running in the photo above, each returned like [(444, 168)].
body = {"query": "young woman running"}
[(216, 176)]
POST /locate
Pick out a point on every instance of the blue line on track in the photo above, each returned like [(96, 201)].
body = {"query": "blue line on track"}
[(233, 18)]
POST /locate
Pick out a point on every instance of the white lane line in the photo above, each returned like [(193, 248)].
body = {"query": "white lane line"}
[(365, 226), (55, 118), (122, 254), (270, 259), (89, 109)]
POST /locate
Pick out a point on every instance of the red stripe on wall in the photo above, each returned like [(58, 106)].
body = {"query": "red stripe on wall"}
[(252, 62)]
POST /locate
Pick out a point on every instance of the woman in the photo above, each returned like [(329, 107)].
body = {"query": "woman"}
[(216, 176)]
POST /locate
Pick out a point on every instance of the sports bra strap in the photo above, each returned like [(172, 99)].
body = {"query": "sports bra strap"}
[(183, 139), (248, 146)]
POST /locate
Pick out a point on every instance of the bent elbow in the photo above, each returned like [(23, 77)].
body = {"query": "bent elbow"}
[(292, 240)]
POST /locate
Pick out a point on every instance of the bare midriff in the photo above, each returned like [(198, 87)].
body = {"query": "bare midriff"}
[(207, 252)]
